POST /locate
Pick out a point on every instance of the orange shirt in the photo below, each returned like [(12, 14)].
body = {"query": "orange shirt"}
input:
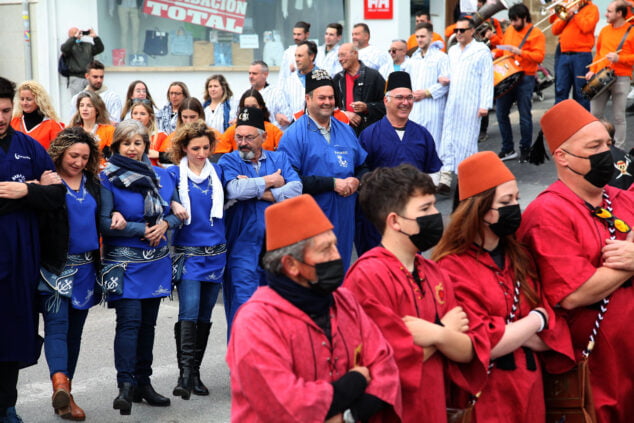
[(498, 33), (158, 143), (104, 135), (608, 41), (577, 33), (44, 132), (227, 143), (413, 44), (337, 114), (533, 50)]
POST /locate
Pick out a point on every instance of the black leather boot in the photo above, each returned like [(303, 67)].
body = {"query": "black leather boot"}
[(187, 340), (147, 393), (202, 336), (123, 402)]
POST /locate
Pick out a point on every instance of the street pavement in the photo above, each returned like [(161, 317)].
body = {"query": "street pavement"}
[(94, 385)]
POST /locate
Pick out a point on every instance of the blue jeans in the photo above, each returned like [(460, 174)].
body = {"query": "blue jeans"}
[(522, 94), (568, 67), (134, 339), (196, 300), (62, 335)]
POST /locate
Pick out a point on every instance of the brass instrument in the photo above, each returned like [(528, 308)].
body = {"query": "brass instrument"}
[(480, 21), (560, 9)]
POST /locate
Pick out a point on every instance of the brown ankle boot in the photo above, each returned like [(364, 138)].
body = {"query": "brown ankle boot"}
[(61, 394), (76, 413)]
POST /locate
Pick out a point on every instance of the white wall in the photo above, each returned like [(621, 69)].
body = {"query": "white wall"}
[(382, 31)]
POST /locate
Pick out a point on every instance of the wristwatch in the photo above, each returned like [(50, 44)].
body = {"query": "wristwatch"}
[(347, 417)]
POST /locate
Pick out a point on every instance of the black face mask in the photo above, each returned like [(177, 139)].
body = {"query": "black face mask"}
[(329, 276), (601, 168), (430, 231), (509, 221)]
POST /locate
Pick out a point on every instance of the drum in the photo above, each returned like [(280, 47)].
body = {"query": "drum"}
[(599, 82), (506, 74)]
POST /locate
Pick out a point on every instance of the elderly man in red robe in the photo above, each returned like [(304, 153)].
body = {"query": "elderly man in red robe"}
[(302, 349), (411, 299), (578, 230)]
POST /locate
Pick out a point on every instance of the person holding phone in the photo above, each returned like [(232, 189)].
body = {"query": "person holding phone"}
[(78, 50)]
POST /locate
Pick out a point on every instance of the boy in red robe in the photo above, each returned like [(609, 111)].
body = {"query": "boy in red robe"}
[(410, 298)]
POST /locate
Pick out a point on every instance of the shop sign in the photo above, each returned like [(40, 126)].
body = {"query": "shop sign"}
[(223, 15), (378, 9)]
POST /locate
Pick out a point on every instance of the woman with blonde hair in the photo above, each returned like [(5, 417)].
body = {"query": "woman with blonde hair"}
[(496, 280), (34, 114), (220, 108), (199, 246), (144, 113), (93, 116)]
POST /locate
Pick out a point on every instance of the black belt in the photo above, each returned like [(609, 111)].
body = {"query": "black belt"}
[(570, 53)]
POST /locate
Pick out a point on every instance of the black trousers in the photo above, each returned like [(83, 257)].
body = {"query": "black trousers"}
[(8, 385)]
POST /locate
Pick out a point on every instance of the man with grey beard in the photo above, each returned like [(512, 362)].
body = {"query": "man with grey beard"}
[(254, 179)]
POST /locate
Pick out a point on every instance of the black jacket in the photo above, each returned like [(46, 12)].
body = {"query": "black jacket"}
[(79, 54), (54, 230), (369, 88)]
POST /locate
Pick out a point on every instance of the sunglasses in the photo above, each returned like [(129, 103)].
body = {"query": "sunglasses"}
[(611, 220), (460, 30), (394, 50), (141, 100)]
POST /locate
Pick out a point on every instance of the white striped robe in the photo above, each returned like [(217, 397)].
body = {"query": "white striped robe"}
[(373, 57), (288, 59), (295, 93), (276, 103), (470, 89), (328, 61), (388, 68), (424, 71)]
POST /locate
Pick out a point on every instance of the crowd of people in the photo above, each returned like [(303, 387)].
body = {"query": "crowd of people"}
[(266, 196)]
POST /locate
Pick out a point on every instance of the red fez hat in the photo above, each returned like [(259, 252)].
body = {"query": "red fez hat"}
[(294, 220), (563, 120), (480, 172)]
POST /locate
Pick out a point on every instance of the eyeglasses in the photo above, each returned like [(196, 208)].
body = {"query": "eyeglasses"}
[(141, 100), (247, 138), (174, 93), (460, 30), (394, 50), (611, 220), (402, 97), (140, 90)]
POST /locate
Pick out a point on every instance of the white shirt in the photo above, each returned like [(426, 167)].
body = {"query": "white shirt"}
[(373, 57), (328, 61)]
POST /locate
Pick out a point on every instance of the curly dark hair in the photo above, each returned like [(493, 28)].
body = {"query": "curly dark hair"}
[(69, 137)]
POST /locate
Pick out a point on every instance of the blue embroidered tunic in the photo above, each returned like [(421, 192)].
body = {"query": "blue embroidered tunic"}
[(201, 232)]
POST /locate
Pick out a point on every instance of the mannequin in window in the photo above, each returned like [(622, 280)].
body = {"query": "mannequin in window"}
[(128, 12)]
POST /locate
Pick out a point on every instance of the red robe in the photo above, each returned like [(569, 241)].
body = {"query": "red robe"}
[(282, 364), (566, 242), (387, 291), (512, 396)]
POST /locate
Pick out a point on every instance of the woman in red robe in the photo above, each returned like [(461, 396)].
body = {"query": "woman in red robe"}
[(497, 282)]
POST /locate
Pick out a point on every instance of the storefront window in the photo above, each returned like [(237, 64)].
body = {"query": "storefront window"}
[(179, 33)]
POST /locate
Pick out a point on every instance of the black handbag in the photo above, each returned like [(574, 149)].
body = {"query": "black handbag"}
[(155, 42)]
